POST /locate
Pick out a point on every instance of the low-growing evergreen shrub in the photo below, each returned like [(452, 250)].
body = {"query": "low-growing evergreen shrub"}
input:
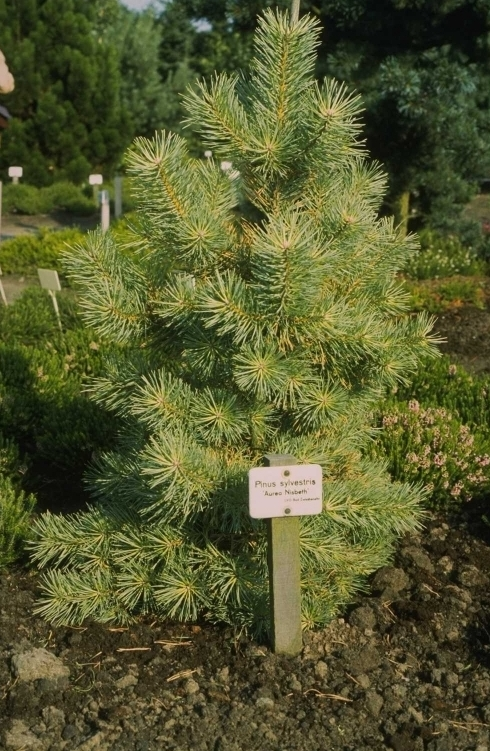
[(431, 446), (68, 197), (441, 256), (43, 375), (15, 520), (20, 198), (25, 254), (32, 319)]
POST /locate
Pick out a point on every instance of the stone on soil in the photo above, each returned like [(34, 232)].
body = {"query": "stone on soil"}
[(390, 581), (20, 737), (39, 664)]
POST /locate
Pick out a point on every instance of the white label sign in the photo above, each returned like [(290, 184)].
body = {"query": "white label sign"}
[(49, 279), (295, 490)]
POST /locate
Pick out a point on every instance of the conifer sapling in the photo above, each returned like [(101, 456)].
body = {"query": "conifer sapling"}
[(257, 311)]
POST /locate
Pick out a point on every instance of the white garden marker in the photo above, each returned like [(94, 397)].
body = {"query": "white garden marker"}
[(282, 492), (2, 291), (49, 280), (15, 173), (95, 180)]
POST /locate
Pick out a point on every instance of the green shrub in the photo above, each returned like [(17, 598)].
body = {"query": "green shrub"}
[(440, 295), (9, 458), (25, 254), (442, 255), (31, 320), (21, 198), (15, 520), (68, 197), (440, 383), (432, 447), (43, 408)]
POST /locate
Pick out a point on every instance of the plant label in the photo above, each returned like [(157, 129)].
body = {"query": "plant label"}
[(49, 279), (294, 490)]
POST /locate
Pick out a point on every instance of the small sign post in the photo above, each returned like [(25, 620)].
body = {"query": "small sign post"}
[(282, 492), (95, 180), (49, 280), (15, 173), (105, 210)]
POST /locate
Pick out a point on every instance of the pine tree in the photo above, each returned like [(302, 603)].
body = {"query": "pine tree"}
[(256, 311), (67, 113)]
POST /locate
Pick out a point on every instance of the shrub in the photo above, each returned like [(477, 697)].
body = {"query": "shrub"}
[(15, 520), (440, 295), (31, 320), (67, 197), (9, 459), (21, 198), (441, 256), (430, 446), (25, 254), (42, 376), (440, 383)]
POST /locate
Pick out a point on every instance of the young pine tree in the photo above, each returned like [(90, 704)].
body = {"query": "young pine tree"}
[(257, 311)]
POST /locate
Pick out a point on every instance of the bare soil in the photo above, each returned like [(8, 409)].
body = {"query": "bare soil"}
[(467, 334), (13, 225), (407, 668)]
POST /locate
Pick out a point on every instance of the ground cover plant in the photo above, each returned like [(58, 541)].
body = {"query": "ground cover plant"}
[(442, 256), (430, 445), (264, 315), (447, 294)]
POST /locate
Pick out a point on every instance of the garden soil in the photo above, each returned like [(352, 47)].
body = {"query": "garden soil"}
[(406, 668)]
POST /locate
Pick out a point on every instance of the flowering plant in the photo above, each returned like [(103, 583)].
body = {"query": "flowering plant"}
[(430, 446), (442, 256)]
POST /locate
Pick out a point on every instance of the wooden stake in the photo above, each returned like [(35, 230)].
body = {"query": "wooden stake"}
[(284, 574)]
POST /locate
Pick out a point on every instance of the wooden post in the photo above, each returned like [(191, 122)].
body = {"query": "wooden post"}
[(284, 574)]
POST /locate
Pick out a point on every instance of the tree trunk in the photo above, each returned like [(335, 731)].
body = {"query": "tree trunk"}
[(401, 210)]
